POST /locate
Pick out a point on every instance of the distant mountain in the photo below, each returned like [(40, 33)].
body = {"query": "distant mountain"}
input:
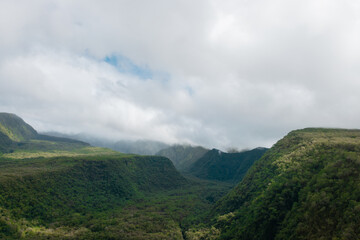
[(18, 139), (305, 187), (94, 141), (231, 167), (141, 147), (183, 156), (50, 187)]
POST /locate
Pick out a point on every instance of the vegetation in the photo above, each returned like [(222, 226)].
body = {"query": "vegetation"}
[(19, 140), (183, 156), (57, 188), (64, 190), (141, 147), (5, 143), (15, 128), (305, 187), (221, 166), (100, 197)]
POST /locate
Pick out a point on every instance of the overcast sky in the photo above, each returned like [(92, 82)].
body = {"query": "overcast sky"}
[(219, 73)]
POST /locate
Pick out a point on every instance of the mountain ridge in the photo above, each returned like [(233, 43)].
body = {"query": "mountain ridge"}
[(59, 188), (304, 187), (222, 166), (183, 156), (140, 146), (20, 140), (15, 128)]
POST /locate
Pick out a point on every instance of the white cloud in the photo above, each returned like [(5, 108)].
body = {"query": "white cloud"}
[(239, 73)]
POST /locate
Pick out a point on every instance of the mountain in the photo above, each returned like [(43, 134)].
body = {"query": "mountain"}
[(60, 188), (141, 147), (15, 128), (19, 140), (231, 167), (5, 143), (183, 156), (305, 187)]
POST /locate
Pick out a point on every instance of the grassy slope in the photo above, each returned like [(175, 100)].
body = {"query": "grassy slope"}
[(15, 128), (41, 148), (183, 156), (217, 165), (5, 143), (19, 140), (306, 187)]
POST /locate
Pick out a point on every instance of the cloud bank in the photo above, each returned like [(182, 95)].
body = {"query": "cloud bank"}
[(215, 73)]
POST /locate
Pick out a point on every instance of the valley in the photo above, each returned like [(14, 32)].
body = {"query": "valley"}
[(304, 187)]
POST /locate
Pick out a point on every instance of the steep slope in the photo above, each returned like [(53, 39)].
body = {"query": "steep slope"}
[(307, 186), (19, 140), (183, 156), (5, 143), (217, 165), (15, 128), (59, 188)]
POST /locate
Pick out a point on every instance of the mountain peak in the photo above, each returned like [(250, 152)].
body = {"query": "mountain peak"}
[(15, 128)]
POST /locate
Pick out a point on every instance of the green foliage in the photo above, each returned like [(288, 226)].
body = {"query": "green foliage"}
[(20, 140), (231, 167), (15, 128), (5, 143), (211, 233), (305, 187), (47, 188), (183, 156), (57, 188), (101, 197)]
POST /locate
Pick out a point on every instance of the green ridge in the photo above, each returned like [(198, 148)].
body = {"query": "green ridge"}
[(305, 187), (19, 140), (183, 156), (57, 188), (231, 167), (15, 128)]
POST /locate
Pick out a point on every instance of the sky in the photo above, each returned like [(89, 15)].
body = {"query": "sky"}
[(217, 73)]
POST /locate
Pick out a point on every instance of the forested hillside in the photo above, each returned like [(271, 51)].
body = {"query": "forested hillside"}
[(19, 140), (305, 187), (15, 128), (183, 156), (231, 167), (58, 188)]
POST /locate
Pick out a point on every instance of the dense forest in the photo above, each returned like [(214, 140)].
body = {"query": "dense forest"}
[(305, 187)]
